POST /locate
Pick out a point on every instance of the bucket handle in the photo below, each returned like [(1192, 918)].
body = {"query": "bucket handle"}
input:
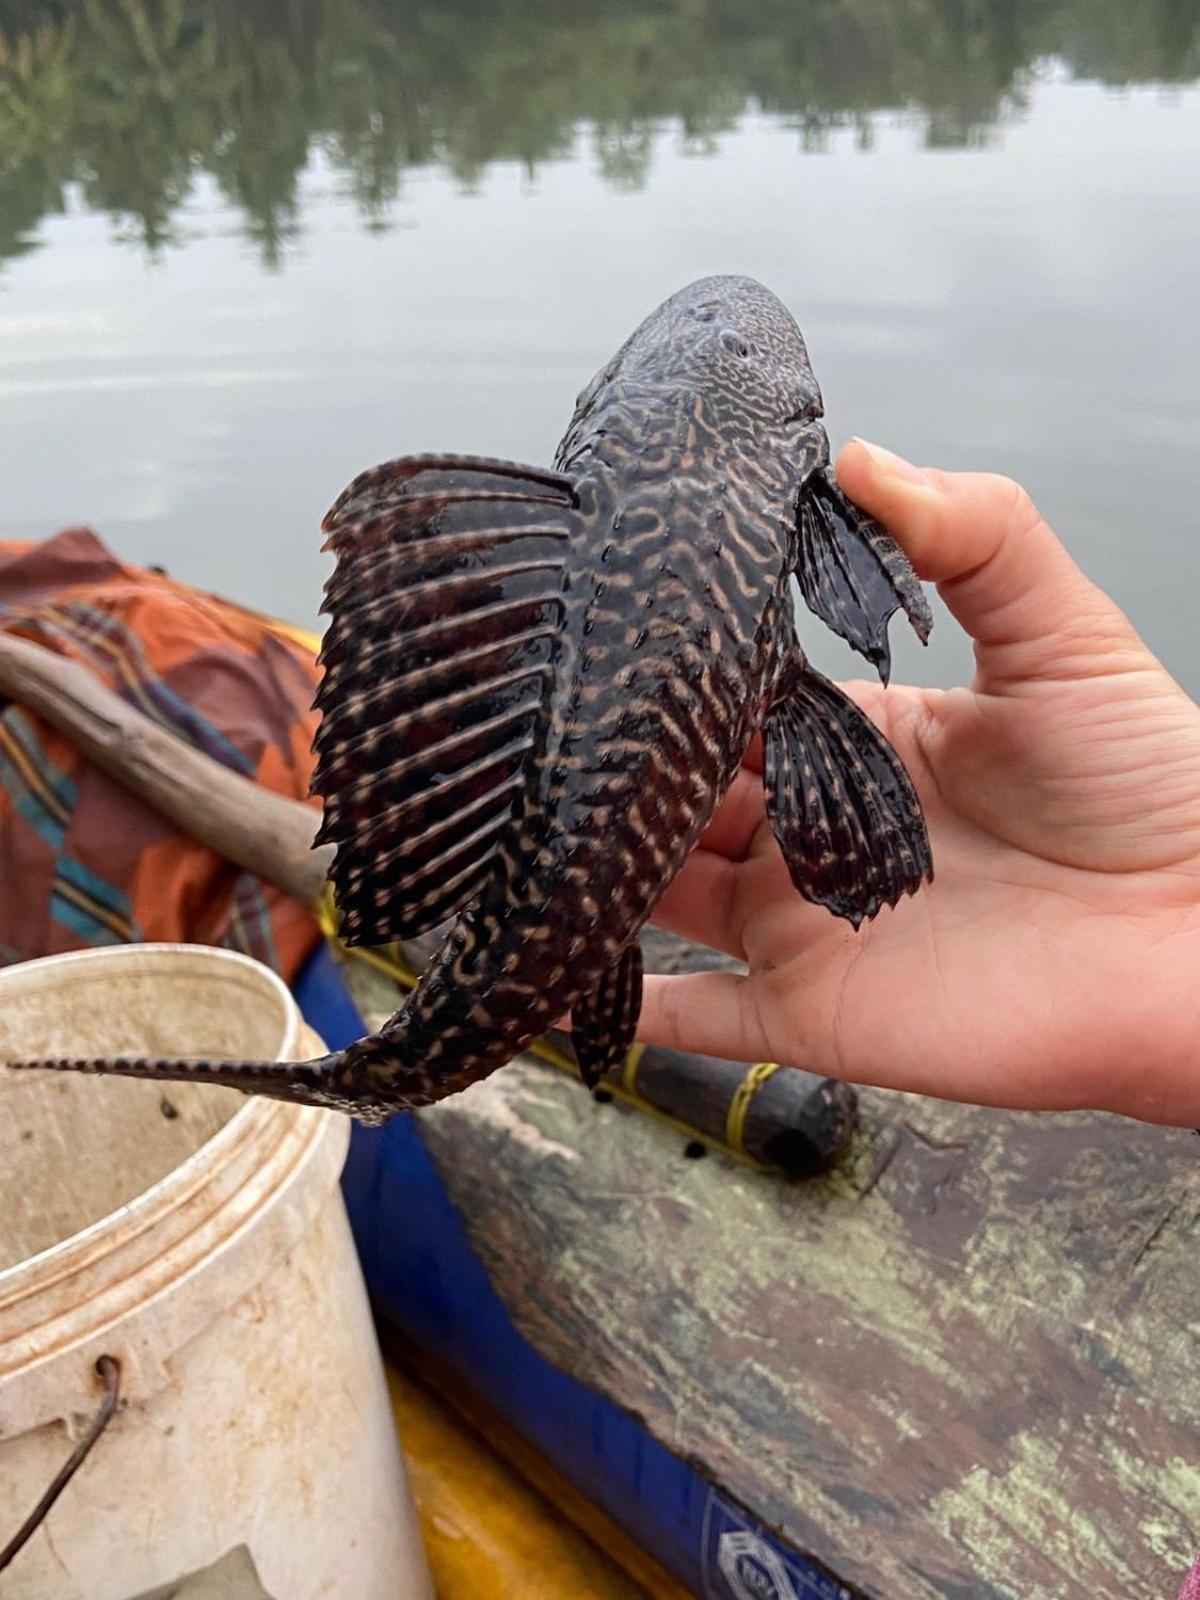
[(108, 1369)]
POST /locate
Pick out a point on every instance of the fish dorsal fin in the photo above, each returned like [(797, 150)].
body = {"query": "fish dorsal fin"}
[(853, 574), (446, 609)]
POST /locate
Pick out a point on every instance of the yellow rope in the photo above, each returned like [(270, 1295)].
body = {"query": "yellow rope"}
[(739, 1106), (629, 1071), (326, 913)]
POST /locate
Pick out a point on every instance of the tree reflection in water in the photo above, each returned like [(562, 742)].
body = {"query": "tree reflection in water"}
[(131, 100)]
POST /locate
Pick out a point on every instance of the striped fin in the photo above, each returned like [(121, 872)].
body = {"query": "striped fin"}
[(853, 574), (842, 806), (603, 1024), (446, 608)]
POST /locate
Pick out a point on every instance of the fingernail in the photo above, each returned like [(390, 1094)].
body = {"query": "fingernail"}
[(888, 461)]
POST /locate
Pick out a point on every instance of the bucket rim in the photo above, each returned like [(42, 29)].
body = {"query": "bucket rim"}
[(153, 952), (260, 1125), (96, 1289), (231, 1135)]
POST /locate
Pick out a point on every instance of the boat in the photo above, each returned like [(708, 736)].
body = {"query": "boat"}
[(675, 1366)]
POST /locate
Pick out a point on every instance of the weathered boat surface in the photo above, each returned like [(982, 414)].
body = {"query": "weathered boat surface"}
[(960, 1367)]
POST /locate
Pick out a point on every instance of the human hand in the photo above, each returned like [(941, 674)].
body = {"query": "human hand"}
[(1053, 962)]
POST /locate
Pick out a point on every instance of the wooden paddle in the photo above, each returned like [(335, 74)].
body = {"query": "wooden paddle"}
[(790, 1120)]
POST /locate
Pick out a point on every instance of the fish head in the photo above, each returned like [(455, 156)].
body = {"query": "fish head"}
[(734, 343)]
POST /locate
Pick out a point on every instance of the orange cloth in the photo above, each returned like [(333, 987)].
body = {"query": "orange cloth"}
[(81, 861)]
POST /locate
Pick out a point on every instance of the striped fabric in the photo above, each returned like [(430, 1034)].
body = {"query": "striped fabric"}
[(80, 862)]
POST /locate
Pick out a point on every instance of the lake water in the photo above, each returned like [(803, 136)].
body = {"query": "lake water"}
[(246, 251)]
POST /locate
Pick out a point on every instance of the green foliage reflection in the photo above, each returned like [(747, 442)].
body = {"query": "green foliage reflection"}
[(132, 100)]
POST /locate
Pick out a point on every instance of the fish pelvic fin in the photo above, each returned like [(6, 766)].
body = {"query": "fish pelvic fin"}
[(843, 808), (853, 574), (603, 1024)]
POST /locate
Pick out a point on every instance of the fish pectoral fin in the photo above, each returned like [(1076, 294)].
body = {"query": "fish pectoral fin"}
[(603, 1025), (446, 607), (853, 574), (842, 806)]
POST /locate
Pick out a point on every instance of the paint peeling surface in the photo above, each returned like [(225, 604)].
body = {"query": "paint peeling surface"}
[(961, 1367)]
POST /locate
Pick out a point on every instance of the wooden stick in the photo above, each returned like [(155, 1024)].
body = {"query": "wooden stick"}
[(264, 832), (794, 1121)]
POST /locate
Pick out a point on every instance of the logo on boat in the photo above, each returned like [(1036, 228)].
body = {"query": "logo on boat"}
[(752, 1569), (739, 1560)]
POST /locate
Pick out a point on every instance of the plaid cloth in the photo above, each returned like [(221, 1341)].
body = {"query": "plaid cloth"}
[(82, 862)]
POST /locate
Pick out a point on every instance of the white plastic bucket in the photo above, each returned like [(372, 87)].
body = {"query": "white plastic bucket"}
[(199, 1237)]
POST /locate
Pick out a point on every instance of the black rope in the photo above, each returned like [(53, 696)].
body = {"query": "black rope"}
[(109, 1370)]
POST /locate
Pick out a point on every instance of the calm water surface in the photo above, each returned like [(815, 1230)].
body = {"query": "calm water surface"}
[(242, 258)]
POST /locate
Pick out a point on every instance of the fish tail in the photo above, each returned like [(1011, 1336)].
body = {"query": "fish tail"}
[(372, 1079), (285, 1079)]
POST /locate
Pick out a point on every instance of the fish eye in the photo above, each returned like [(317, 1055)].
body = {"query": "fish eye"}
[(734, 343)]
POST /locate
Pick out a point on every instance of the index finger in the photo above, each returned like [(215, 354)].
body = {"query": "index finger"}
[(998, 564)]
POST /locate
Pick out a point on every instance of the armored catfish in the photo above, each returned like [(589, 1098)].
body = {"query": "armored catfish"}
[(540, 682)]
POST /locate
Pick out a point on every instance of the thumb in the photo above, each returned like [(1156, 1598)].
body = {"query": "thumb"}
[(998, 565)]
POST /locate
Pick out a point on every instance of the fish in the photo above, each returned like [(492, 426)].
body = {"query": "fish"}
[(539, 682)]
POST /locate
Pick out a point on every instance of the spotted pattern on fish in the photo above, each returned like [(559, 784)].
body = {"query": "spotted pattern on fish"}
[(539, 683)]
